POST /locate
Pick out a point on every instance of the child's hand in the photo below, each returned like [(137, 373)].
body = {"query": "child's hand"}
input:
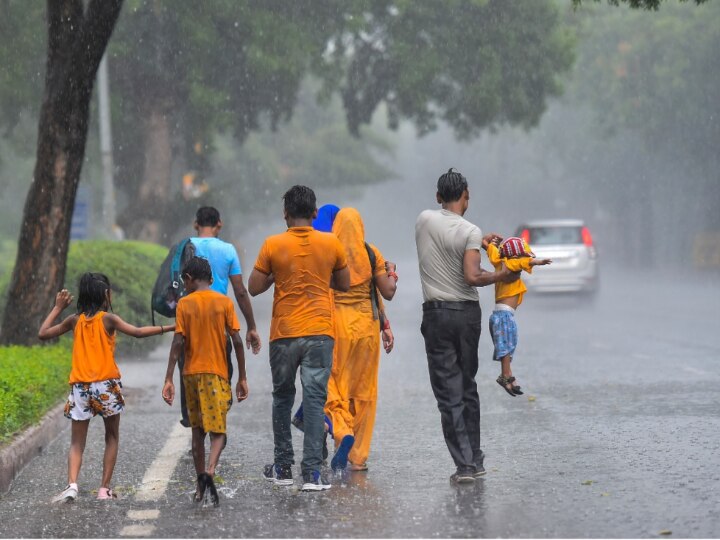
[(168, 392), (540, 262), (241, 390), (63, 299)]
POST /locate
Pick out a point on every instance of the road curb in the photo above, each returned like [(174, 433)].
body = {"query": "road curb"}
[(28, 445)]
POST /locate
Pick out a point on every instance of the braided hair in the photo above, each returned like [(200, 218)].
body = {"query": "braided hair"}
[(451, 185), (93, 293)]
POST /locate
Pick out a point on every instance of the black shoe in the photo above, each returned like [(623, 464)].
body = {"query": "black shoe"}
[(184, 422), (314, 481), (280, 475), (479, 471), (462, 477)]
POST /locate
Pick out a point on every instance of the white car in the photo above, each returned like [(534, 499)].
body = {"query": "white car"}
[(569, 244)]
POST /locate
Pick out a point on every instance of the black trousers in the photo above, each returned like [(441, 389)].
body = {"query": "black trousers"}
[(181, 364), (452, 333)]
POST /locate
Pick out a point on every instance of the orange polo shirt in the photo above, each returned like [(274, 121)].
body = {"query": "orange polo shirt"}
[(93, 355), (302, 261), (203, 317)]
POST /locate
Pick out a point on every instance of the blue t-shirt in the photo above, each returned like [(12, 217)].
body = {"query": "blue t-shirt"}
[(223, 259)]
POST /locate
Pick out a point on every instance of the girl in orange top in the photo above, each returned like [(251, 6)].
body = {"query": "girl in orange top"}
[(94, 376)]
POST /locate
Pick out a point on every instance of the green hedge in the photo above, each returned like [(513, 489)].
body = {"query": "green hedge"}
[(132, 268), (32, 380)]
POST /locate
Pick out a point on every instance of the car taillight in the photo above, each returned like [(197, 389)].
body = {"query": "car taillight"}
[(525, 235), (588, 241)]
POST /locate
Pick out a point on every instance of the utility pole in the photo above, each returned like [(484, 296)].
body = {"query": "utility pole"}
[(111, 229)]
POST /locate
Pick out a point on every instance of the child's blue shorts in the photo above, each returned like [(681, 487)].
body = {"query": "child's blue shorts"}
[(503, 330)]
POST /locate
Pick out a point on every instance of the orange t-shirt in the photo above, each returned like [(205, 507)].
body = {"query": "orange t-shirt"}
[(302, 261), (203, 317), (93, 355)]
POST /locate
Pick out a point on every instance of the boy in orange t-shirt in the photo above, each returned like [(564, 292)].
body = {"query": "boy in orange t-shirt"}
[(303, 264), (202, 319)]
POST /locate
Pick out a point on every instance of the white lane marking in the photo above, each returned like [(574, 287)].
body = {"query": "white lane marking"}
[(155, 482), (137, 530), (142, 515), (158, 475)]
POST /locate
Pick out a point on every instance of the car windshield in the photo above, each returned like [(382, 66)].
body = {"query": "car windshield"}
[(544, 236)]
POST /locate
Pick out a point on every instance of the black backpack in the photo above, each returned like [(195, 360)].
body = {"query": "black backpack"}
[(377, 312), (169, 287)]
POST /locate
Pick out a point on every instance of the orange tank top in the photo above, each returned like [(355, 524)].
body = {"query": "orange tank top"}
[(93, 356)]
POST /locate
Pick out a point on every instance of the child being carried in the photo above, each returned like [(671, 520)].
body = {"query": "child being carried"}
[(516, 255)]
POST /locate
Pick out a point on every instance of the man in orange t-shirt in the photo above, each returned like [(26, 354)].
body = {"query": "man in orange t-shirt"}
[(304, 264), (202, 320)]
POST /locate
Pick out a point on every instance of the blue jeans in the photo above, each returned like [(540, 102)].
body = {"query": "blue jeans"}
[(313, 355)]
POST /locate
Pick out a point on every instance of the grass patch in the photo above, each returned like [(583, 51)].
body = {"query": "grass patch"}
[(32, 381)]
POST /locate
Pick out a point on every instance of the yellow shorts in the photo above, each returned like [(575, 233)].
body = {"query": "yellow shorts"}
[(208, 398)]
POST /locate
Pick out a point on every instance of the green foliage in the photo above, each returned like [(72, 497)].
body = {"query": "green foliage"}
[(472, 64), (657, 75), (639, 4), (32, 380), (313, 149), (132, 268), (22, 52), (652, 80), (237, 66)]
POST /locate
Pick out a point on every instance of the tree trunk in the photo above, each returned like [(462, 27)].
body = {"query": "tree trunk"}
[(77, 39), (146, 215)]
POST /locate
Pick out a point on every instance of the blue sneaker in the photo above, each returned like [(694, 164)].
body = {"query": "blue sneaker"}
[(340, 459), (280, 475), (328, 425), (314, 481)]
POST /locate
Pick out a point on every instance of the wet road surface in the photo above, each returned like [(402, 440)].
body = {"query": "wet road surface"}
[(618, 435)]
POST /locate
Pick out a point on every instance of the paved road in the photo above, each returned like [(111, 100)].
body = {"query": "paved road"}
[(619, 436)]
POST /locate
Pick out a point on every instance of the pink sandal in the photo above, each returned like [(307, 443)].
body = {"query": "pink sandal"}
[(106, 494)]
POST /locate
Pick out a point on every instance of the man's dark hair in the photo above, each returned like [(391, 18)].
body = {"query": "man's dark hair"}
[(198, 269), (451, 185), (300, 202), (207, 216)]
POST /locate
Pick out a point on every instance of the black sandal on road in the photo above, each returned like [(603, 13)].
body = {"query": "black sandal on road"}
[(507, 384), (200, 490)]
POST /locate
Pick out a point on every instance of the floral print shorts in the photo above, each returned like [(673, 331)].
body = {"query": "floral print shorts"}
[(89, 399), (208, 399)]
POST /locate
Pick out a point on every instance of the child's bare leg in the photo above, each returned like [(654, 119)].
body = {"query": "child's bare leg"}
[(198, 449), (78, 436), (217, 441), (112, 439), (505, 366)]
